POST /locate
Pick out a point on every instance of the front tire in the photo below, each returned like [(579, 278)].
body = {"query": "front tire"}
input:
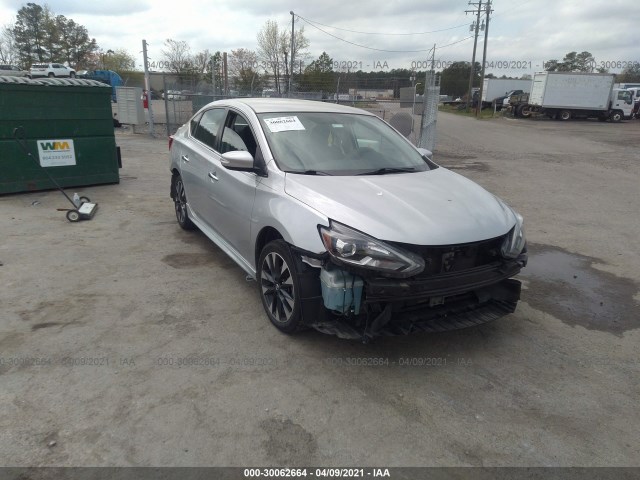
[(73, 216), (72, 75), (616, 116), (51, 75), (180, 202), (279, 286)]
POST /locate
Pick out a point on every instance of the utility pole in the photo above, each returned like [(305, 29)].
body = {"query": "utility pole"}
[(475, 26), (147, 85), (293, 17), (484, 56)]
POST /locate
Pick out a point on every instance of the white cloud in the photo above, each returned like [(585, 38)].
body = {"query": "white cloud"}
[(521, 30)]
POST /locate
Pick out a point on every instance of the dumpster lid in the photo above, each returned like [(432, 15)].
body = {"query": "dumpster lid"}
[(53, 81)]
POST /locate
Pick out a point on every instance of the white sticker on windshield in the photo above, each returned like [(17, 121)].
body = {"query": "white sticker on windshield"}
[(283, 124)]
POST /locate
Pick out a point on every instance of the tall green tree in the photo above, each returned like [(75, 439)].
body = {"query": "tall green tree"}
[(572, 62), (41, 36), (30, 33), (74, 44), (318, 76), (454, 80)]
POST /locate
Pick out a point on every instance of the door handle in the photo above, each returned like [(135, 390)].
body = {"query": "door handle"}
[(212, 176), (185, 158)]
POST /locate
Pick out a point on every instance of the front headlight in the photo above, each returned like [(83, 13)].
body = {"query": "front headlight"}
[(351, 247), (515, 241)]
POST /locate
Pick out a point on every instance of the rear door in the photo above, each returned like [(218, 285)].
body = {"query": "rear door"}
[(195, 155)]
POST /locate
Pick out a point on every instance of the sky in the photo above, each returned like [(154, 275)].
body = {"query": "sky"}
[(522, 33)]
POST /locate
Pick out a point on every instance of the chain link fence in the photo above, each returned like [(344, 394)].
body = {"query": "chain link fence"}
[(176, 98), (430, 113)]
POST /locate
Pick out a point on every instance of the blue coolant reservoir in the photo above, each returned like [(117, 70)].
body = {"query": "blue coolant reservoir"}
[(341, 291)]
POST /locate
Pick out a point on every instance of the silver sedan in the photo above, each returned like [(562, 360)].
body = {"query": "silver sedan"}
[(346, 226)]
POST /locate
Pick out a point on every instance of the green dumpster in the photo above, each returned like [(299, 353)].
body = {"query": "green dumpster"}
[(69, 130)]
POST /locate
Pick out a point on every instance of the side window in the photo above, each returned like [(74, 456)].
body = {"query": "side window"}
[(207, 130), (625, 96), (237, 135), (194, 124)]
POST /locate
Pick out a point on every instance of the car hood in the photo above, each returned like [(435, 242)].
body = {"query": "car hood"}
[(436, 207)]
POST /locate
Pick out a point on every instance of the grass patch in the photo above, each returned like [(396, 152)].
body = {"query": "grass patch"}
[(484, 114)]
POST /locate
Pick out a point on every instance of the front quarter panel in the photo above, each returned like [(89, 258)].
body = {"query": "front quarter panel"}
[(296, 221)]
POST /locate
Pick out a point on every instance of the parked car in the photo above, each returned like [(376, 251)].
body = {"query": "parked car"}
[(12, 71), (345, 225), (175, 95), (51, 70)]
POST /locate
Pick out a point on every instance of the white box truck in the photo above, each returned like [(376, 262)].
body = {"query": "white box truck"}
[(566, 95), (493, 88)]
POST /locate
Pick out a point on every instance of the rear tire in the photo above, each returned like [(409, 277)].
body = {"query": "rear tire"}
[(72, 75), (181, 204), (51, 75), (564, 115), (280, 286)]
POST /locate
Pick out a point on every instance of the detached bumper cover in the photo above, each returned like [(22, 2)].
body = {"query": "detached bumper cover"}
[(475, 308)]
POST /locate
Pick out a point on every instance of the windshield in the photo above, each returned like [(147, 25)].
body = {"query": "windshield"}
[(338, 144)]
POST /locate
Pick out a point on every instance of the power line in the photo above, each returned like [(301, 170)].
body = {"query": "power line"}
[(440, 47), (376, 49), (361, 46), (381, 33)]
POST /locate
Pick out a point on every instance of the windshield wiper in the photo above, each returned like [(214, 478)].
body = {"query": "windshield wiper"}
[(308, 172), (382, 171)]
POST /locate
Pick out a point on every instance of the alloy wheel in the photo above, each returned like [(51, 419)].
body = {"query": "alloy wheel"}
[(277, 287), (181, 202)]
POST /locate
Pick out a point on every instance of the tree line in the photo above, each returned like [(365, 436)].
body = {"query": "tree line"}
[(40, 36), (454, 80)]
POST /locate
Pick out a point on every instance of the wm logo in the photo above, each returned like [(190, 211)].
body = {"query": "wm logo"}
[(54, 146)]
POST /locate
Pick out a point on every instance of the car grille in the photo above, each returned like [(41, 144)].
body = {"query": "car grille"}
[(455, 258)]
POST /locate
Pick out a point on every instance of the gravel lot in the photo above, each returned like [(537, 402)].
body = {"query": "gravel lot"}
[(102, 320)]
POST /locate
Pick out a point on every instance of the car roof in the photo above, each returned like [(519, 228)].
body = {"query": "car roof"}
[(276, 105)]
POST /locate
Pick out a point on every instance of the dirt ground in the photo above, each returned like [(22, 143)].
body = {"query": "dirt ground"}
[(127, 341)]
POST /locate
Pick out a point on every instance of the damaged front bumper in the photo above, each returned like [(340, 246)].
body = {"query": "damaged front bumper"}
[(433, 303)]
